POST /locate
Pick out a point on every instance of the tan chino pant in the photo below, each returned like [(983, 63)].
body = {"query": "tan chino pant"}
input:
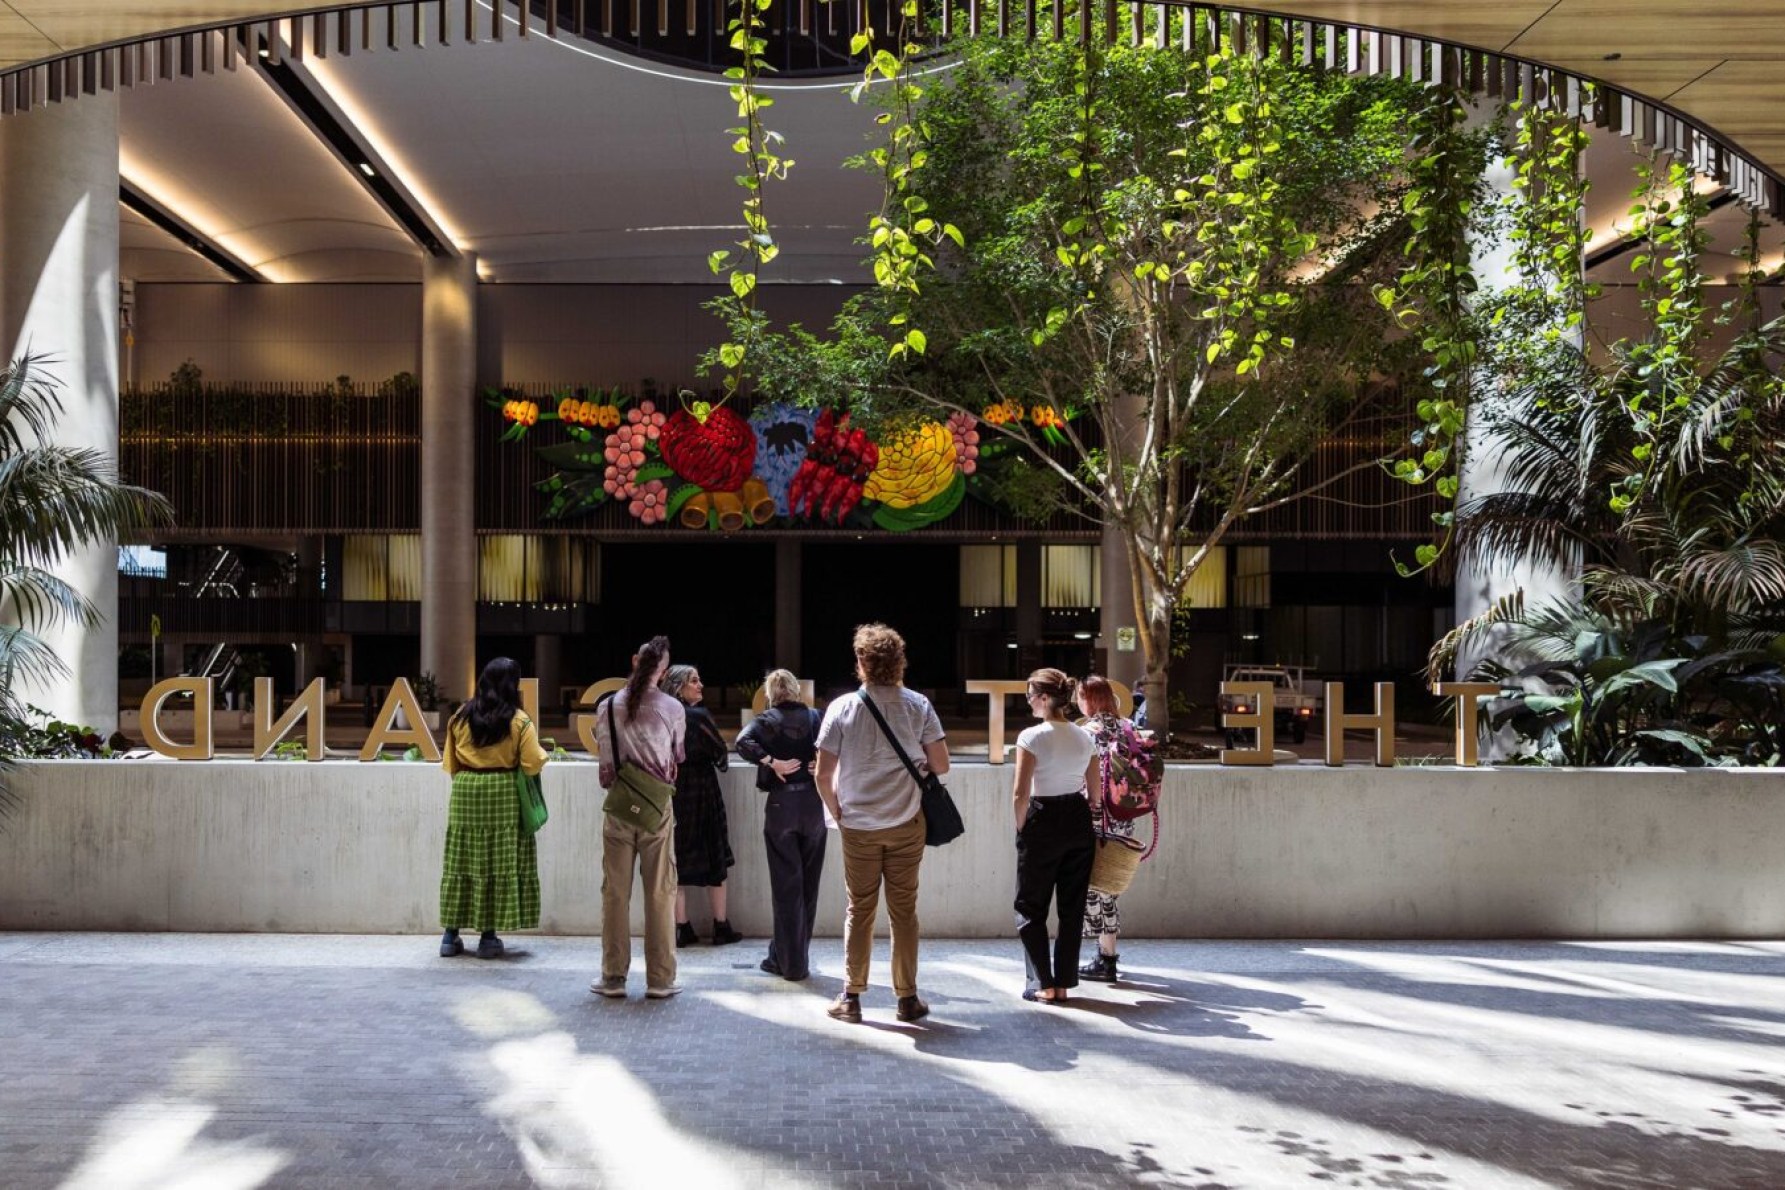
[(655, 854), (891, 855)]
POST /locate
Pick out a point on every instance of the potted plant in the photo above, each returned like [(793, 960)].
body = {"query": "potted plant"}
[(427, 693)]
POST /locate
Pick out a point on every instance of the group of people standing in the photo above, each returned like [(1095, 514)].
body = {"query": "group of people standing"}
[(850, 769)]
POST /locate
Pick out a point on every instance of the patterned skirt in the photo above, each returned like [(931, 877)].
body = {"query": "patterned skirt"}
[(489, 878)]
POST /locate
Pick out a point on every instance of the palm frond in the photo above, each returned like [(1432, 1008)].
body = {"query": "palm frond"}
[(38, 599), (30, 404), (1442, 659), (56, 500), (27, 657), (1736, 577)]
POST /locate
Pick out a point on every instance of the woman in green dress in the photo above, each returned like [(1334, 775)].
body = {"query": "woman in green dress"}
[(489, 879)]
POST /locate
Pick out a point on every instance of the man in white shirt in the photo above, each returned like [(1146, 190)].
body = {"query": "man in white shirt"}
[(878, 809)]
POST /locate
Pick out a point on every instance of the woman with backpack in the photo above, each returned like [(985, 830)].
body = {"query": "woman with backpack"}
[(1119, 749), (489, 877), (782, 744), (641, 733), (1056, 788)]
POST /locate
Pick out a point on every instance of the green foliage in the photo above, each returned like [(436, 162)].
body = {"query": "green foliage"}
[(54, 502), (427, 691), (1160, 248), (763, 162)]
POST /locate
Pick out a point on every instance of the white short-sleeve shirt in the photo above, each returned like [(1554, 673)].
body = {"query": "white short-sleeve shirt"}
[(1062, 753), (874, 789)]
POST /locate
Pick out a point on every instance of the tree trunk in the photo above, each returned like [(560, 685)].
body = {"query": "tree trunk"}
[(1152, 608)]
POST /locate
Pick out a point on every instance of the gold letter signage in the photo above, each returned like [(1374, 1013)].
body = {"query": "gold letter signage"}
[(1261, 716), (416, 734), (200, 690), (307, 707), (1468, 696), (1382, 723)]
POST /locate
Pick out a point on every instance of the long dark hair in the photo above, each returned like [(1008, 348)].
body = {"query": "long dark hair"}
[(490, 714), (650, 656)]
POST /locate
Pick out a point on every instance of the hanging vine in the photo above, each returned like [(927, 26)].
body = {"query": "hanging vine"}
[(902, 234), (763, 162), (1434, 293), (1660, 377)]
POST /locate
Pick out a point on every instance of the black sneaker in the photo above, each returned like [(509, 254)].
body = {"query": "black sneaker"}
[(846, 1008), (724, 935), (769, 965), (912, 1009), (489, 947), (450, 945), (685, 935), (1101, 969)]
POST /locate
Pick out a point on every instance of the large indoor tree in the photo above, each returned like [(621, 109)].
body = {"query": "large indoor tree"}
[(1164, 256)]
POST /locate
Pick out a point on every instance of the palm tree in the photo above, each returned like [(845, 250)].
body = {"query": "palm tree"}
[(54, 501)]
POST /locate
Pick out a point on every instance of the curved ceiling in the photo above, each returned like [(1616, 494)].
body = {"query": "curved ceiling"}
[(1722, 65), (624, 174)]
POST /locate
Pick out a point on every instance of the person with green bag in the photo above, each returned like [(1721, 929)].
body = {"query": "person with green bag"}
[(489, 878), (640, 731)]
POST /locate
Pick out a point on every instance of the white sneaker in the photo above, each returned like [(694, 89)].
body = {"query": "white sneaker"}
[(664, 993), (613, 989)]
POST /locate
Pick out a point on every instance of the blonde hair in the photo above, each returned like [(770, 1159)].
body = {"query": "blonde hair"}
[(781, 686), (880, 652)]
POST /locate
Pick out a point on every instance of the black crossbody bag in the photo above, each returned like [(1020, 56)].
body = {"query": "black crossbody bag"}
[(942, 822)]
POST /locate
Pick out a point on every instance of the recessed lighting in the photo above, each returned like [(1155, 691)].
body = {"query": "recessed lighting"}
[(1081, 636), (1011, 645), (365, 168), (1249, 636), (266, 53)]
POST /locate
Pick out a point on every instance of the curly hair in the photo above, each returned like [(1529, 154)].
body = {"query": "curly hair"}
[(880, 652)]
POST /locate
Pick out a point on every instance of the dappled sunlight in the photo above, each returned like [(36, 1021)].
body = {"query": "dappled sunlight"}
[(581, 1119), (156, 1143), (1140, 1096), (1590, 1070)]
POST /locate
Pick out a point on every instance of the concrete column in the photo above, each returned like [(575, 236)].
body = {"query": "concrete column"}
[(1117, 612), (1028, 607), (548, 667), (59, 298), (1479, 585), (448, 521), (787, 605)]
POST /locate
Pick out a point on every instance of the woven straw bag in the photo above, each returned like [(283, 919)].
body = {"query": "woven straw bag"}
[(1117, 861)]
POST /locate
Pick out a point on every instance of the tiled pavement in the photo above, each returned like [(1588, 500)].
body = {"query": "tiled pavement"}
[(235, 1061)]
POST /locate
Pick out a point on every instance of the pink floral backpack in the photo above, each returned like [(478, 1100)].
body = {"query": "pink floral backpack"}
[(1131, 776)]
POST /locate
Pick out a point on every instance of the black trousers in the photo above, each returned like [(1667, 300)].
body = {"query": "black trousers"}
[(1054, 852), (793, 831)]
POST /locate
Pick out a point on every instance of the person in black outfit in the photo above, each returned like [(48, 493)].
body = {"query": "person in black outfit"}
[(781, 743), (703, 840)]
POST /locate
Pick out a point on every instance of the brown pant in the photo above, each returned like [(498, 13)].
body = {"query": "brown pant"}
[(869, 857), (655, 856)]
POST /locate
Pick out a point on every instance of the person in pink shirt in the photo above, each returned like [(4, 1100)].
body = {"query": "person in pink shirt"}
[(649, 726)]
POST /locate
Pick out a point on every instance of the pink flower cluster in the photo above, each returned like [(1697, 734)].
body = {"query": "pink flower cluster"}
[(625, 450), (649, 501), (965, 428)]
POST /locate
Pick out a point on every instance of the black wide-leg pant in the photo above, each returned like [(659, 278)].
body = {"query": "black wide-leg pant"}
[(1054, 852), (793, 832)]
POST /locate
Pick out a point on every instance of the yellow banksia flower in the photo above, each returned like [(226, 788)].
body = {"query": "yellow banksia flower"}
[(915, 467)]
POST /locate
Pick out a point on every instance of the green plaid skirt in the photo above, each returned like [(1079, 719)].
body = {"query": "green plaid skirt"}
[(489, 879)]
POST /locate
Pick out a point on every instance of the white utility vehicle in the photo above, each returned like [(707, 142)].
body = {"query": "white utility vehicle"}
[(1293, 706)]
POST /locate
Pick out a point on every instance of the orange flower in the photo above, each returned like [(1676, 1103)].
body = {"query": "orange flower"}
[(567, 409), (1044, 417)]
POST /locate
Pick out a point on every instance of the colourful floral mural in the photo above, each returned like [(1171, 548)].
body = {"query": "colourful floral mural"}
[(706, 466)]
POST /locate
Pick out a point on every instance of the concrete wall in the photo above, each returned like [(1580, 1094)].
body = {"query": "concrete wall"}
[(596, 334), (1290, 852)]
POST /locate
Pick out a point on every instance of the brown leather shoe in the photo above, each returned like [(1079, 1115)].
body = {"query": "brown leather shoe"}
[(912, 1009), (846, 1008)]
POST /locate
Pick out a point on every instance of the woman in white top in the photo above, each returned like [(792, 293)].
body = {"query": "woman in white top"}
[(1056, 786)]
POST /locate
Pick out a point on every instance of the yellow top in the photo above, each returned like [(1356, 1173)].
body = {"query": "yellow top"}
[(522, 741)]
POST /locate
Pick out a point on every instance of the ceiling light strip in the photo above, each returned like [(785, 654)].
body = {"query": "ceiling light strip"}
[(190, 237)]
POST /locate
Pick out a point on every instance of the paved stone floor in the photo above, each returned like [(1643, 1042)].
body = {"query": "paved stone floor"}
[(236, 1061)]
